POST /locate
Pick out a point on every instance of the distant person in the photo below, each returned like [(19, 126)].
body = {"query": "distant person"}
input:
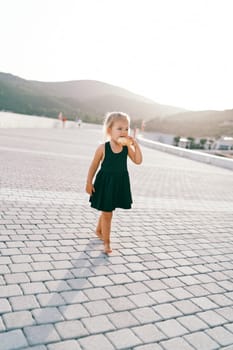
[(64, 119), (78, 121), (111, 188)]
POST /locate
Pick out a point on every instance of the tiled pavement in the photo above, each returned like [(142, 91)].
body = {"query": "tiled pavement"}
[(169, 282)]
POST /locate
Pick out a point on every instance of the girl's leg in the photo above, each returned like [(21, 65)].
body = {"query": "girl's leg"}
[(106, 220), (99, 228)]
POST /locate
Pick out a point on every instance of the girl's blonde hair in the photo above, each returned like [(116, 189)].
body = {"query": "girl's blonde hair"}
[(112, 117)]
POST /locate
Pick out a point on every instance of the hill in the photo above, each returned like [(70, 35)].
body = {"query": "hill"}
[(88, 99), (195, 124)]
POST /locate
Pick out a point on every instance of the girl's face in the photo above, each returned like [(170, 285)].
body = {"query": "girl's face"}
[(118, 129)]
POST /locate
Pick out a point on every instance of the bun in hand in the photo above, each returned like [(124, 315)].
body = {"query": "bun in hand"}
[(124, 141)]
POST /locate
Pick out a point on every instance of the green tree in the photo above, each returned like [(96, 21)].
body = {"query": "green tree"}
[(202, 143), (176, 140), (192, 142)]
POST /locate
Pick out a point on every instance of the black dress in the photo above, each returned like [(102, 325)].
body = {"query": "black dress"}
[(112, 184)]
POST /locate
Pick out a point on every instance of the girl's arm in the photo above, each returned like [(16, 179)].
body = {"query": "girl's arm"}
[(93, 168), (134, 151)]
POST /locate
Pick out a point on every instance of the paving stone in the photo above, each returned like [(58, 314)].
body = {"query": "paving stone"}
[(42, 257), (62, 264), (221, 300), (123, 319), (177, 343), (118, 291), (97, 293), (47, 315), (161, 296), (137, 276), (229, 327), (34, 288), (171, 328), (205, 278), (192, 323), (39, 347), (173, 282), (12, 340), (20, 268), (156, 285), (57, 286), (70, 329), (148, 347), (98, 324), (42, 334), (197, 290), (5, 259), (100, 281), (204, 303), (121, 304), (226, 312), (145, 315), (123, 339), (24, 302), (186, 307), (79, 283), (15, 278), (61, 274), (50, 299), (98, 307), (201, 340), (4, 306), (4, 269), (41, 266), (73, 297), (189, 280), (39, 276), (2, 326), (74, 311), (18, 319), (64, 345), (137, 287), (212, 318), (141, 300), (167, 311), (221, 335), (10, 290), (180, 293), (229, 295), (120, 278), (171, 272), (116, 260), (96, 342), (149, 333)]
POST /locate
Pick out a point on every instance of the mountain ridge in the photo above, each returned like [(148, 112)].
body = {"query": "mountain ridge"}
[(79, 94), (90, 100)]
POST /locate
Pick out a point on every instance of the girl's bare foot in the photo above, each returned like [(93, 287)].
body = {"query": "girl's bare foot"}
[(107, 248)]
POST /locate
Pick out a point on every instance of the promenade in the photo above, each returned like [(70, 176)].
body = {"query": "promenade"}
[(168, 285)]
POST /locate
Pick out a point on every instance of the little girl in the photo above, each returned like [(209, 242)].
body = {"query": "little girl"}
[(111, 188)]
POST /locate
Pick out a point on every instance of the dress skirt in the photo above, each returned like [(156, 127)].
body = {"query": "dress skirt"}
[(112, 190)]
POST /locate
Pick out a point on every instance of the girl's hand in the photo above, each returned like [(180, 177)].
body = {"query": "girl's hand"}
[(132, 140), (90, 188)]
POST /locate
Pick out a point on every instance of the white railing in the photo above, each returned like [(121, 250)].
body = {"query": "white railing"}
[(187, 153)]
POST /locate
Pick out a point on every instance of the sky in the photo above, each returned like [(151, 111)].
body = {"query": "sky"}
[(175, 52)]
